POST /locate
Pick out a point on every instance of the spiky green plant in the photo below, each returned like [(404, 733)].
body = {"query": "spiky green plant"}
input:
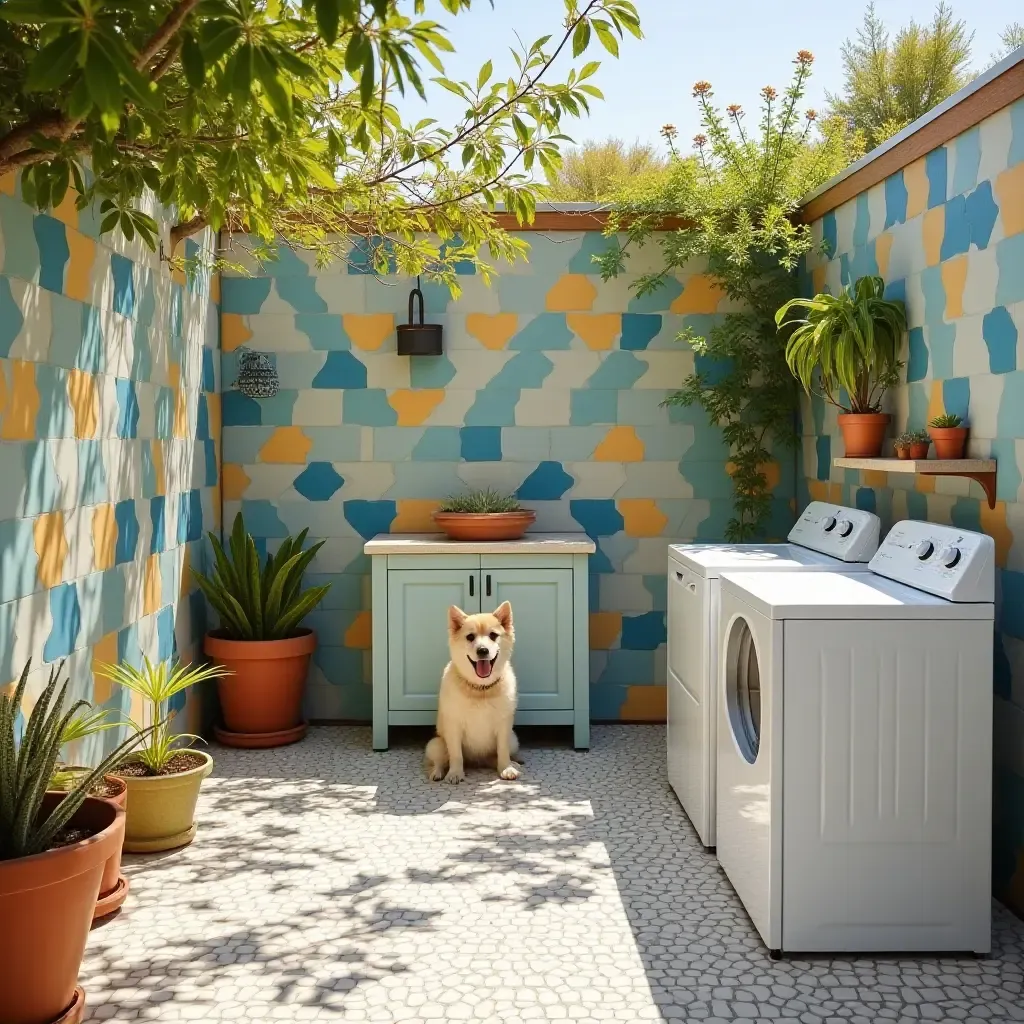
[(87, 722), (946, 421), (156, 685), (27, 768), (255, 604), (852, 338), (481, 502)]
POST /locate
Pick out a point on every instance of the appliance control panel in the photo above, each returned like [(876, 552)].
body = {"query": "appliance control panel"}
[(958, 565), (850, 534)]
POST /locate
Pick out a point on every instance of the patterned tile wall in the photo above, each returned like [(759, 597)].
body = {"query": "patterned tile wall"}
[(947, 234), (550, 386), (109, 448)]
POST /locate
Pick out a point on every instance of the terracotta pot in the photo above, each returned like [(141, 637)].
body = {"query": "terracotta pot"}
[(919, 450), (485, 526), (161, 812), (902, 451), (863, 433), (262, 700), (46, 905), (949, 441)]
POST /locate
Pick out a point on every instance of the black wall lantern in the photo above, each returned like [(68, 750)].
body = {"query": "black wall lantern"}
[(418, 339)]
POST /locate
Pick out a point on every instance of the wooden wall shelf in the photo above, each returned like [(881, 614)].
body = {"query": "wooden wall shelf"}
[(981, 470)]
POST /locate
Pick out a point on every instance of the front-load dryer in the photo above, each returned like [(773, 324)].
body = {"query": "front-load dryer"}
[(825, 537), (855, 748)]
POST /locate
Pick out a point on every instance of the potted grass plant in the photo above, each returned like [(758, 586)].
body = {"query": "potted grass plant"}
[(949, 434), (261, 639), (850, 343), (53, 850), (483, 515), (164, 773)]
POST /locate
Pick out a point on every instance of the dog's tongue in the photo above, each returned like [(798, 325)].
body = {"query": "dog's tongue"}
[(483, 668)]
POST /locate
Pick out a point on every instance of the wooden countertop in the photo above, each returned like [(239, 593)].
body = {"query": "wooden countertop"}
[(439, 544)]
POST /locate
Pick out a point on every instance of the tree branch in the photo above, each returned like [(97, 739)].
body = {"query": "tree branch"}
[(165, 33), (186, 228)]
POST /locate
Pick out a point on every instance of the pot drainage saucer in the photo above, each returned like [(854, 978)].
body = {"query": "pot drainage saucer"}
[(106, 905), (257, 740)]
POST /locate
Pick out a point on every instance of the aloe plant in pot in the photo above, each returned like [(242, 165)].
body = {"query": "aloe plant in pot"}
[(261, 639), (850, 342), (53, 849)]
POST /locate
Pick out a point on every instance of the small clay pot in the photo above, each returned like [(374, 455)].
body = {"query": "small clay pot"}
[(949, 441), (261, 700), (902, 451), (919, 450), (486, 526), (863, 433)]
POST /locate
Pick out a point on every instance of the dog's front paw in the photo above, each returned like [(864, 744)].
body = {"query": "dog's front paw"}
[(511, 773), (454, 778), (436, 774)]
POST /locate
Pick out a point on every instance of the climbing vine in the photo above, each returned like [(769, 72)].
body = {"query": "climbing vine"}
[(736, 197)]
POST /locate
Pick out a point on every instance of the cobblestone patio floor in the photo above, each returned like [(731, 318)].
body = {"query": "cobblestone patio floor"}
[(328, 882)]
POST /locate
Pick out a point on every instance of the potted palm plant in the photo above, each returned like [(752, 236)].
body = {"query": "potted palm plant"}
[(260, 639), (53, 849), (164, 774), (851, 341), (483, 515)]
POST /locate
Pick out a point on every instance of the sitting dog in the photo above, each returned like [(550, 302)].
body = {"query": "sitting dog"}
[(477, 701)]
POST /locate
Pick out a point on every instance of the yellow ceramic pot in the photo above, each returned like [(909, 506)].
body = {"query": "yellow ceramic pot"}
[(162, 808)]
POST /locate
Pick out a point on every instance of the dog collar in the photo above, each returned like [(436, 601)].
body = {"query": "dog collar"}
[(489, 685)]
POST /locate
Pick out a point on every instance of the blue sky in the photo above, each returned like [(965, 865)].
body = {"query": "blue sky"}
[(737, 45)]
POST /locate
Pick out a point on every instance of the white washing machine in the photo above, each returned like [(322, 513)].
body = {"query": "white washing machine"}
[(855, 748), (825, 537)]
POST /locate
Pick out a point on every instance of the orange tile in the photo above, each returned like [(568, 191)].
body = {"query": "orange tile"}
[(933, 227), (605, 630), (188, 583), (157, 452), (104, 537), (936, 405), (1010, 193), (286, 444), (3, 390), (414, 406), (233, 331), (835, 492), (818, 489), (234, 481), (368, 331), (642, 517), (213, 415), (875, 478), (644, 704), (598, 330), (954, 277), (492, 330), (51, 548), (79, 273), (819, 278), (215, 288), (915, 179), (925, 484), (620, 444), (414, 515), (104, 652), (571, 293), (84, 402), (883, 249), (701, 294), (9, 183), (359, 633), (23, 406), (152, 586)]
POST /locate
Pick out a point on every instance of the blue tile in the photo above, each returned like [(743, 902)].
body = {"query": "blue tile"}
[(917, 361), (157, 518), (968, 160), (865, 499), (324, 330), (92, 473), (587, 407), (431, 371), (644, 632), (936, 169), (1011, 614), (639, 330), (11, 320), (895, 199), (208, 380), (438, 444), (319, 481), (658, 301), (545, 332), (956, 396), (956, 236), (523, 370), (829, 233), (368, 518), (121, 269), (244, 295), (190, 516), (210, 457), (599, 517), (67, 621), (861, 220), (1010, 260), (823, 450), (1000, 334), (238, 410), (300, 293), (368, 407), (618, 370), (981, 212), (493, 407), (127, 531), (51, 237), (481, 444), (941, 342), (1016, 154), (548, 482), (166, 648), (341, 370), (127, 408), (262, 518), (18, 561)]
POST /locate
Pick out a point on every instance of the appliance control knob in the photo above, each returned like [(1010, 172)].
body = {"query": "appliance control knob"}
[(829, 524), (845, 527), (924, 550), (950, 557)]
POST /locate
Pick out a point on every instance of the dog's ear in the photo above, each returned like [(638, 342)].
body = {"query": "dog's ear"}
[(504, 615), (456, 617)]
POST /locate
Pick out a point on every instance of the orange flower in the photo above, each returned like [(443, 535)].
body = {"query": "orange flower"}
[(702, 89), (734, 110), (769, 92), (804, 57), (700, 141)]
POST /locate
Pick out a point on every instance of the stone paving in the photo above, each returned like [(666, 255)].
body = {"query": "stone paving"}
[(329, 882)]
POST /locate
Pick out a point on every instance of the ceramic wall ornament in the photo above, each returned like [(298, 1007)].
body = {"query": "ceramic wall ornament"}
[(257, 376)]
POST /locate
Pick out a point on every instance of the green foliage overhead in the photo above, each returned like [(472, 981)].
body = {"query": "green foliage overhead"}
[(850, 341), (893, 80), (738, 198), (255, 603), (1010, 39), (593, 172), (480, 502), (156, 685), (946, 421), (27, 767), (279, 117)]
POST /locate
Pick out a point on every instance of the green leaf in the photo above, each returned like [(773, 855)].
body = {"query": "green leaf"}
[(328, 17), (367, 79), (54, 63), (607, 37), (485, 73), (581, 37), (192, 61)]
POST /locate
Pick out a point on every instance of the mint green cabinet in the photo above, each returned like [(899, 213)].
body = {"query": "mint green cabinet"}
[(410, 600)]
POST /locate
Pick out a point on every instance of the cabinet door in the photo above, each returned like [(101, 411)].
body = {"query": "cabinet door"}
[(542, 615), (418, 601)]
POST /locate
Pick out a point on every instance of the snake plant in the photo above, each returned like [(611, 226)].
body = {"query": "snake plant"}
[(257, 603), (27, 767), (853, 339)]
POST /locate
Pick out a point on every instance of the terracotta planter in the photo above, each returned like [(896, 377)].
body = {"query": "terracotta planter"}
[(46, 905), (919, 450), (949, 441), (485, 526), (262, 700), (863, 433), (902, 451), (161, 809)]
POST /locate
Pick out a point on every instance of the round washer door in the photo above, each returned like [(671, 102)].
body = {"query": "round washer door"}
[(743, 689)]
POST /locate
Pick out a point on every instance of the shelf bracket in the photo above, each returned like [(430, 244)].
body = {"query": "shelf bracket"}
[(987, 481)]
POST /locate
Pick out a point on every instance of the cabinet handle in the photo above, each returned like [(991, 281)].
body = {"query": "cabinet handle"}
[(470, 586), (488, 585)]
